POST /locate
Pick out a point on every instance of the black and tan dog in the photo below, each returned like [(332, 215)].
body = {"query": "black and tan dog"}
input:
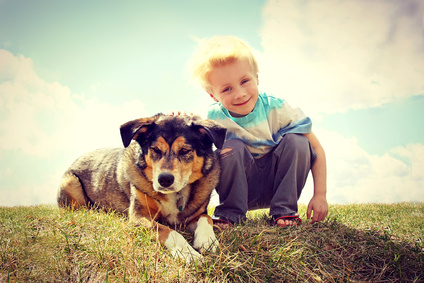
[(163, 176)]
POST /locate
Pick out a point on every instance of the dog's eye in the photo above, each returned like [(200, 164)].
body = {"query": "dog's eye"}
[(184, 151), (156, 150)]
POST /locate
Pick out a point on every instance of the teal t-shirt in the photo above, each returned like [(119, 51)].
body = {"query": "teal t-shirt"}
[(264, 127)]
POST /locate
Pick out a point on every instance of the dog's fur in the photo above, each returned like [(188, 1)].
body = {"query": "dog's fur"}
[(163, 176)]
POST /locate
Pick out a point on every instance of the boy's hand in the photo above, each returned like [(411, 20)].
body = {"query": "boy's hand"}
[(178, 113), (319, 206)]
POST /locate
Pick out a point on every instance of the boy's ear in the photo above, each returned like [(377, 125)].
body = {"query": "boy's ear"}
[(213, 97)]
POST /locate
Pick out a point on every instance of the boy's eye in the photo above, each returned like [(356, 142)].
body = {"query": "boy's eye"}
[(244, 81), (226, 89)]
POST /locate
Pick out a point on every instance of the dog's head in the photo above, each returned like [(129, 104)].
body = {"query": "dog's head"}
[(175, 151)]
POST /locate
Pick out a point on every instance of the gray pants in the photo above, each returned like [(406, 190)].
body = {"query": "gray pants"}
[(273, 181)]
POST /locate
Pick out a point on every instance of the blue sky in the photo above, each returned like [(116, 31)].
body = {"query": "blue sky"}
[(71, 72)]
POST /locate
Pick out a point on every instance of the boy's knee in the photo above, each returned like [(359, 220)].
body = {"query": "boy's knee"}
[(297, 142), (233, 147), (226, 152)]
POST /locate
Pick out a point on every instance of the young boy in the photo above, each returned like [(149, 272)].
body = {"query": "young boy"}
[(269, 147)]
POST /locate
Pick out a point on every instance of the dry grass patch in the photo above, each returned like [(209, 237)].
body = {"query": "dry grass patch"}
[(378, 243)]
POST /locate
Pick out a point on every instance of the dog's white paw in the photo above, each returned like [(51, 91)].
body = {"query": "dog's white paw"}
[(180, 248), (204, 237)]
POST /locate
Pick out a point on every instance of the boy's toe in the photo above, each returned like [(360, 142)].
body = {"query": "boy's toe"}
[(288, 220)]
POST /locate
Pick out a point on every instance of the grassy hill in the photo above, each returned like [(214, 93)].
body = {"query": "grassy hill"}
[(372, 242)]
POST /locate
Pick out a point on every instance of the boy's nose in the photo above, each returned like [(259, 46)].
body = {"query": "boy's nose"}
[(240, 93)]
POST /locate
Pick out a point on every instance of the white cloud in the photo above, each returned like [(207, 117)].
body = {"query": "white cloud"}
[(354, 176), (97, 124), (328, 56), (32, 193), (46, 122), (41, 118)]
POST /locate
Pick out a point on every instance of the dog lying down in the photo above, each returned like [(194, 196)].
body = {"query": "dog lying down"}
[(163, 177)]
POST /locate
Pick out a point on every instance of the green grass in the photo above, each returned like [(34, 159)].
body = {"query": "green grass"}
[(372, 242)]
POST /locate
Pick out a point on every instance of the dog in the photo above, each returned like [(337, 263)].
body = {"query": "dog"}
[(162, 177)]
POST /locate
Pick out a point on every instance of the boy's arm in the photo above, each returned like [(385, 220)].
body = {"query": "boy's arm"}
[(318, 203)]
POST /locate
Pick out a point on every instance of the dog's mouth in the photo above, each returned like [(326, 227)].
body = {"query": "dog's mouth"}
[(169, 190)]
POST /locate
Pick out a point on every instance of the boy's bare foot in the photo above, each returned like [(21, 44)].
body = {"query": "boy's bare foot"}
[(222, 224), (289, 220)]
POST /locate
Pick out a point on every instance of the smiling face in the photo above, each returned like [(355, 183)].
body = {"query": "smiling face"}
[(235, 86)]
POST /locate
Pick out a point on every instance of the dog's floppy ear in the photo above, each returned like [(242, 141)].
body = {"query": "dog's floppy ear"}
[(214, 130), (132, 129)]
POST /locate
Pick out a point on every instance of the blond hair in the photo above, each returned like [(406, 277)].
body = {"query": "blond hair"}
[(218, 51)]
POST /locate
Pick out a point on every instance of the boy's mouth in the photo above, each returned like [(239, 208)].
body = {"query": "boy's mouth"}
[(241, 104)]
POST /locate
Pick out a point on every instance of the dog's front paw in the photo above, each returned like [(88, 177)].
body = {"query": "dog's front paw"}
[(204, 237), (180, 248)]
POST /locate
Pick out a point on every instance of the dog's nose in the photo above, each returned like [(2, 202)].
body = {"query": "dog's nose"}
[(166, 179)]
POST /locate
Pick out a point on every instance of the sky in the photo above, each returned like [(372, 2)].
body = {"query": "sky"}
[(71, 72)]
